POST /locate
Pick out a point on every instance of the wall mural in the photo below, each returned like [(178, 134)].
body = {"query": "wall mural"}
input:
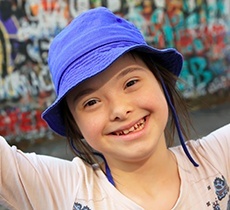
[(199, 29)]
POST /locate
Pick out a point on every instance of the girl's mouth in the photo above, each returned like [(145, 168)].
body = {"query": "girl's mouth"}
[(138, 126)]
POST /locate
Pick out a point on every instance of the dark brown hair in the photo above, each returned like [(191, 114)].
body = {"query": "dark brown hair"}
[(81, 148)]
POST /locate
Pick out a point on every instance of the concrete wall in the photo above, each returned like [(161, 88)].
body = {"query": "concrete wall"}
[(199, 29)]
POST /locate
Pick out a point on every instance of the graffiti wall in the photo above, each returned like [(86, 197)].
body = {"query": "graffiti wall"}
[(199, 29)]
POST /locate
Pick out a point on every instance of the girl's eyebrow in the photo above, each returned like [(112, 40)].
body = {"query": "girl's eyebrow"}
[(83, 92), (127, 71)]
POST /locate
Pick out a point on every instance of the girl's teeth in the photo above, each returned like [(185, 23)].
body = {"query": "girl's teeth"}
[(131, 129), (137, 126), (126, 131)]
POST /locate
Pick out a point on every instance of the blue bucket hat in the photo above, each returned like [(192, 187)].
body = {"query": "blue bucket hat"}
[(87, 46)]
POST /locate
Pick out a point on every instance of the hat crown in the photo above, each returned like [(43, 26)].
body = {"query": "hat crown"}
[(89, 31)]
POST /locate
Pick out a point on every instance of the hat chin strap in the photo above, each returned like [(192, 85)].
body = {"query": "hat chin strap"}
[(176, 120)]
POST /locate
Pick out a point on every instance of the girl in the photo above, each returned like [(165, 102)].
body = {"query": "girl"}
[(116, 104)]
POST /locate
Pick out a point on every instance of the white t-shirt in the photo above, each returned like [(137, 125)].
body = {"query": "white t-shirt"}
[(38, 182)]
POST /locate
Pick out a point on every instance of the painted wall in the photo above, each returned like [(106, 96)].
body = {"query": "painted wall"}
[(199, 29)]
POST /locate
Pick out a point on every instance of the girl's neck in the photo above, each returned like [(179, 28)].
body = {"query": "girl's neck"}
[(156, 167), (152, 166), (147, 182)]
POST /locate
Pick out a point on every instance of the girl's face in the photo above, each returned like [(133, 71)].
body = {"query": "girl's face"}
[(122, 112)]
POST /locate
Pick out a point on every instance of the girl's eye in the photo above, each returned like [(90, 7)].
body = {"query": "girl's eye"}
[(90, 102), (131, 83)]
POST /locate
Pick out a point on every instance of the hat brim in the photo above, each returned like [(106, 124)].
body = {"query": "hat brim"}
[(169, 58)]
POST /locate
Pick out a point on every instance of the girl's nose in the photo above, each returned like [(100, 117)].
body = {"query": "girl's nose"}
[(120, 109)]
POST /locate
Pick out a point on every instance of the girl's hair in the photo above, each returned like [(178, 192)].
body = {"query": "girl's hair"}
[(81, 148)]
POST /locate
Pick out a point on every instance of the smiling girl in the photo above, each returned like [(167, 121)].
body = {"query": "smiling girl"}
[(118, 106)]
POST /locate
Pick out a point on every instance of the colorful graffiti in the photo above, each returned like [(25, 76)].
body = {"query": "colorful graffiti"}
[(199, 29)]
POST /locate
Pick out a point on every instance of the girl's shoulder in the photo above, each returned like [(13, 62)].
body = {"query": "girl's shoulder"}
[(214, 143), (211, 179), (211, 152)]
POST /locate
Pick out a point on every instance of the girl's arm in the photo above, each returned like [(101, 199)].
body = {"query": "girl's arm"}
[(30, 181)]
